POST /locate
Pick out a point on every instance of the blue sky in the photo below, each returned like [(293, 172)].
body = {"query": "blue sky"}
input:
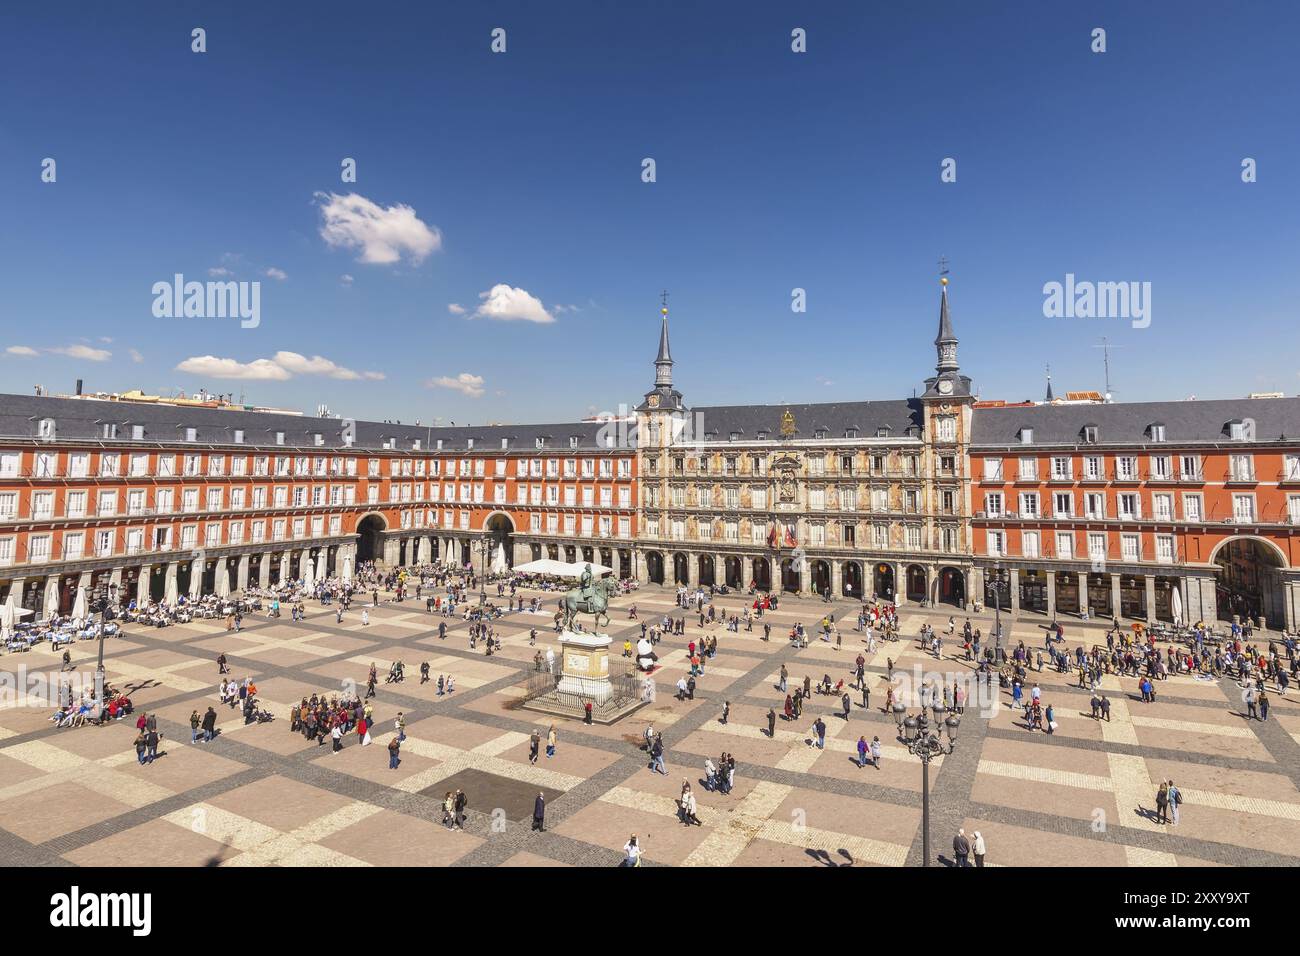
[(775, 171)]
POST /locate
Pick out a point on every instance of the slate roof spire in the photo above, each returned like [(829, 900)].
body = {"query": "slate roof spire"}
[(945, 343)]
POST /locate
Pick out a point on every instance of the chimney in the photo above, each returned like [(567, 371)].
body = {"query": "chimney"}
[(78, 386)]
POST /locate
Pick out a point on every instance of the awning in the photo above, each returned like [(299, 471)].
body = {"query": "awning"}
[(560, 569)]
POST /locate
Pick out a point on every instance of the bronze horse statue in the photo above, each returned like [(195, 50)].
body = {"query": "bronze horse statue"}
[(595, 602)]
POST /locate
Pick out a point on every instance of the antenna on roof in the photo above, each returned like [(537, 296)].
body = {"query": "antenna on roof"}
[(1106, 347)]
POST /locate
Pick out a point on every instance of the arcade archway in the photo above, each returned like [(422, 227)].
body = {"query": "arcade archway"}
[(370, 537), (916, 583), (706, 570), (734, 571), (821, 577), (883, 581), (1248, 580), (952, 587), (654, 567), (852, 583), (681, 569), (762, 574)]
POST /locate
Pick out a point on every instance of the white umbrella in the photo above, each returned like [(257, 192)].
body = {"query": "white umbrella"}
[(171, 594), (51, 597), (498, 565), (1176, 606), (321, 567), (79, 605), (560, 569), (308, 573), (347, 569), (223, 581), (7, 618)]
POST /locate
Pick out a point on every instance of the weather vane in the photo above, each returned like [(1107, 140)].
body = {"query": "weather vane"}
[(943, 265), (663, 298)]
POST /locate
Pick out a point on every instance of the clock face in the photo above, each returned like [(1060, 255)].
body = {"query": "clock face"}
[(945, 387), (653, 401)]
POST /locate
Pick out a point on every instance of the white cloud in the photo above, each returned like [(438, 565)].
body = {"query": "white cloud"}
[(135, 355), (383, 235), (319, 365), (345, 279), (21, 350), (84, 352), (218, 271), (455, 308), (106, 340), (561, 309), (510, 304), (465, 383), (283, 365), (274, 273), (262, 370)]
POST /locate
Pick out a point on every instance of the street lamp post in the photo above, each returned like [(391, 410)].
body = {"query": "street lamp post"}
[(997, 612), (482, 581), (926, 744)]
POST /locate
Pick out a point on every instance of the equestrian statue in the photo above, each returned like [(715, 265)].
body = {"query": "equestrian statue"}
[(589, 597)]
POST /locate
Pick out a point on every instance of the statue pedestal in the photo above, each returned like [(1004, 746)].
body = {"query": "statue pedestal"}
[(584, 666)]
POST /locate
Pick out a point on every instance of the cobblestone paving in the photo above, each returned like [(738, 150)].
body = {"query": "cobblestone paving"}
[(260, 795)]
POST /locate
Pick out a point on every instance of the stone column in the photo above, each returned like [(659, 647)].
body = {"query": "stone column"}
[(241, 573), (1114, 594), (284, 566), (1051, 595), (836, 581), (1083, 592), (1150, 586), (264, 571), (142, 584), (1013, 585)]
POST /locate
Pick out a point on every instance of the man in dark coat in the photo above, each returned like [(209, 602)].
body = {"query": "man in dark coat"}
[(961, 848), (539, 813), (209, 725)]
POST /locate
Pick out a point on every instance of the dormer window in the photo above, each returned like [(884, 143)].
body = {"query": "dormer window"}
[(882, 431), (45, 428), (1026, 436), (110, 429), (819, 433), (239, 436), (415, 445), (1238, 430), (573, 441), (439, 444), (390, 442), (539, 442), (279, 438), (191, 434), (850, 433), (137, 432), (1156, 431), (469, 443), (762, 434), (1089, 434), (505, 443), (317, 438), (733, 436)]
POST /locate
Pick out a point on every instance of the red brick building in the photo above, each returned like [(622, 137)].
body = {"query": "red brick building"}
[(1120, 507), (160, 499)]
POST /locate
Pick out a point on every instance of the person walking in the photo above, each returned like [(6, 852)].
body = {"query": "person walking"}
[(863, 749), (336, 734), (551, 738), (980, 849), (400, 726), (726, 711), (875, 752), (1175, 800), (819, 729), (140, 745), (209, 725), (771, 723), (632, 852), (534, 744), (195, 722), (657, 755), (539, 813), (394, 753), (1162, 802), (462, 801)]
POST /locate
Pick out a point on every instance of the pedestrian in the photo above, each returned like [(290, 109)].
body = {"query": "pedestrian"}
[(979, 849), (819, 729), (1105, 708), (863, 749), (657, 755), (1162, 802), (551, 738), (400, 725), (961, 848), (771, 723), (461, 802), (209, 725), (534, 742), (632, 852), (1175, 800), (726, 711), (875, 752), (336, 734), (539, 813), (394, 751), (140, 745), (195, 721)]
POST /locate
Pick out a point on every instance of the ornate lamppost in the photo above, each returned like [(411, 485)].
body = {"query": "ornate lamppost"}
[(482, 581), (926, 744)]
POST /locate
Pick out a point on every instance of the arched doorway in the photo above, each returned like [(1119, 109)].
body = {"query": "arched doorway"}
[(952, 587), (883, 581), (762, 574), (1248, 580), (705, 562), (853, 580), (370, 537), (735, 573), (501, 548), (916, 583), (790, 576), (654, 567), (821, 577), (681, 569)]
